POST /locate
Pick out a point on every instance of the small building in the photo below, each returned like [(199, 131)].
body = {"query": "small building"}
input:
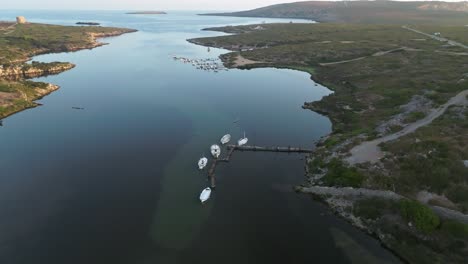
[(21, 20)]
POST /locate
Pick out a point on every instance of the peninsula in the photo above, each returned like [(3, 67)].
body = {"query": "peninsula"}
[(21, 41), (147, 13), (88, 23), (396, 162)]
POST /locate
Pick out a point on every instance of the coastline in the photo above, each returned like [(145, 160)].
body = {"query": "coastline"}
[(340, 206), (15, 72)]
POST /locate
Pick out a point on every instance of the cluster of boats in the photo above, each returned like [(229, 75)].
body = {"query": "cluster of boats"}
[(213, 65), (216, 153)]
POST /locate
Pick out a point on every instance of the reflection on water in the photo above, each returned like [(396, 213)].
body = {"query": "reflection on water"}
[(117, 182)]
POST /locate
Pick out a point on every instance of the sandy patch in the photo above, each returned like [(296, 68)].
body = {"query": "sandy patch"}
[(241, 61)]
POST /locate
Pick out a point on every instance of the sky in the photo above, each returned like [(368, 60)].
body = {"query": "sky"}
[(139, 4)]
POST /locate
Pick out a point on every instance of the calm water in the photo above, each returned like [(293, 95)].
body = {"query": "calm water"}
[(117, 182)]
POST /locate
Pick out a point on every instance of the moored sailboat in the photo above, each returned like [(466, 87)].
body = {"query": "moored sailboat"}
[(205, 195), (215, 151), (202, 163), (225, 139), (242, 141)]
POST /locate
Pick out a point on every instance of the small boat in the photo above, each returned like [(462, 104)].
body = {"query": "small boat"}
[(205, 195), (215, 151), (242, 141), (225, 139), (202, 163)]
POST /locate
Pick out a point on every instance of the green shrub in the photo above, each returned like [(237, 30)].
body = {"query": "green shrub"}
[(420, 215), (455, 229), (5, 88), (340, 175), (414, 116), (458, 193), (373, 208)]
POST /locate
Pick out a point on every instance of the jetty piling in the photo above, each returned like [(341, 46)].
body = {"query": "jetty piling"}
[(270, 149), (232, 148)]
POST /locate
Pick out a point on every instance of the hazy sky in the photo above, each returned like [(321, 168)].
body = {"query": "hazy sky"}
[(139, 4)]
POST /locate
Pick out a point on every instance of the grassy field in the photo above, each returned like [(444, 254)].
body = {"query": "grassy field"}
[(18, 43)]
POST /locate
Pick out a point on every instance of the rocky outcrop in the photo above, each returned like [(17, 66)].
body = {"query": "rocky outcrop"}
[(31, 70)]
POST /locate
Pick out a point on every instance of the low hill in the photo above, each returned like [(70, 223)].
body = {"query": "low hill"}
[(390, 12)]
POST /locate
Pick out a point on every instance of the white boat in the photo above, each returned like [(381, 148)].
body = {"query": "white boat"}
[(225, 139), (242, 141), (215, 151), (205, 195), (202, 163)]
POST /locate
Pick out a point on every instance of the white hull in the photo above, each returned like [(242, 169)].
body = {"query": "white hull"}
[(202, 163), (242, 141), (205, 195), (215, 151), (225, 139)]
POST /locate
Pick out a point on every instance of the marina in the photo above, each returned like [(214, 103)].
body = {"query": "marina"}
[(209, 64), (216, 151)]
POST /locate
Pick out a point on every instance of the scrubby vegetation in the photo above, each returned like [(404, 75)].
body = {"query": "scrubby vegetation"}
[(374, 68), (19, 42), (432, 158), (340, 175), (374, 208), (390, 12), (423, 218), (367, 91), (27, 40), (414, 231)]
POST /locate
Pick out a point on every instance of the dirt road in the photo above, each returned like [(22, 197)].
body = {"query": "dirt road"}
[(369, 151)]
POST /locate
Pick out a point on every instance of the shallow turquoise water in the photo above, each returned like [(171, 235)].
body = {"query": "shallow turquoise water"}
[(117, 182)]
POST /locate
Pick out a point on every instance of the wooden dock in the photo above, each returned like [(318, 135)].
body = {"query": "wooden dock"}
[(232, 148), (270, 149), (212, 170)]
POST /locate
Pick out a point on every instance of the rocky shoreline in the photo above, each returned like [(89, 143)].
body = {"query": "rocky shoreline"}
[(27, 71)]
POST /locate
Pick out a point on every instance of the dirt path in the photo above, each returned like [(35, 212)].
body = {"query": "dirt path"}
[(369, 151), (441, 39), (377, 54), (339, 62), (12, 27)]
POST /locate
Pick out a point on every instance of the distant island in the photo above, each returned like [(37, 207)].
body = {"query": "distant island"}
[(147, 13), (88, 23)]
